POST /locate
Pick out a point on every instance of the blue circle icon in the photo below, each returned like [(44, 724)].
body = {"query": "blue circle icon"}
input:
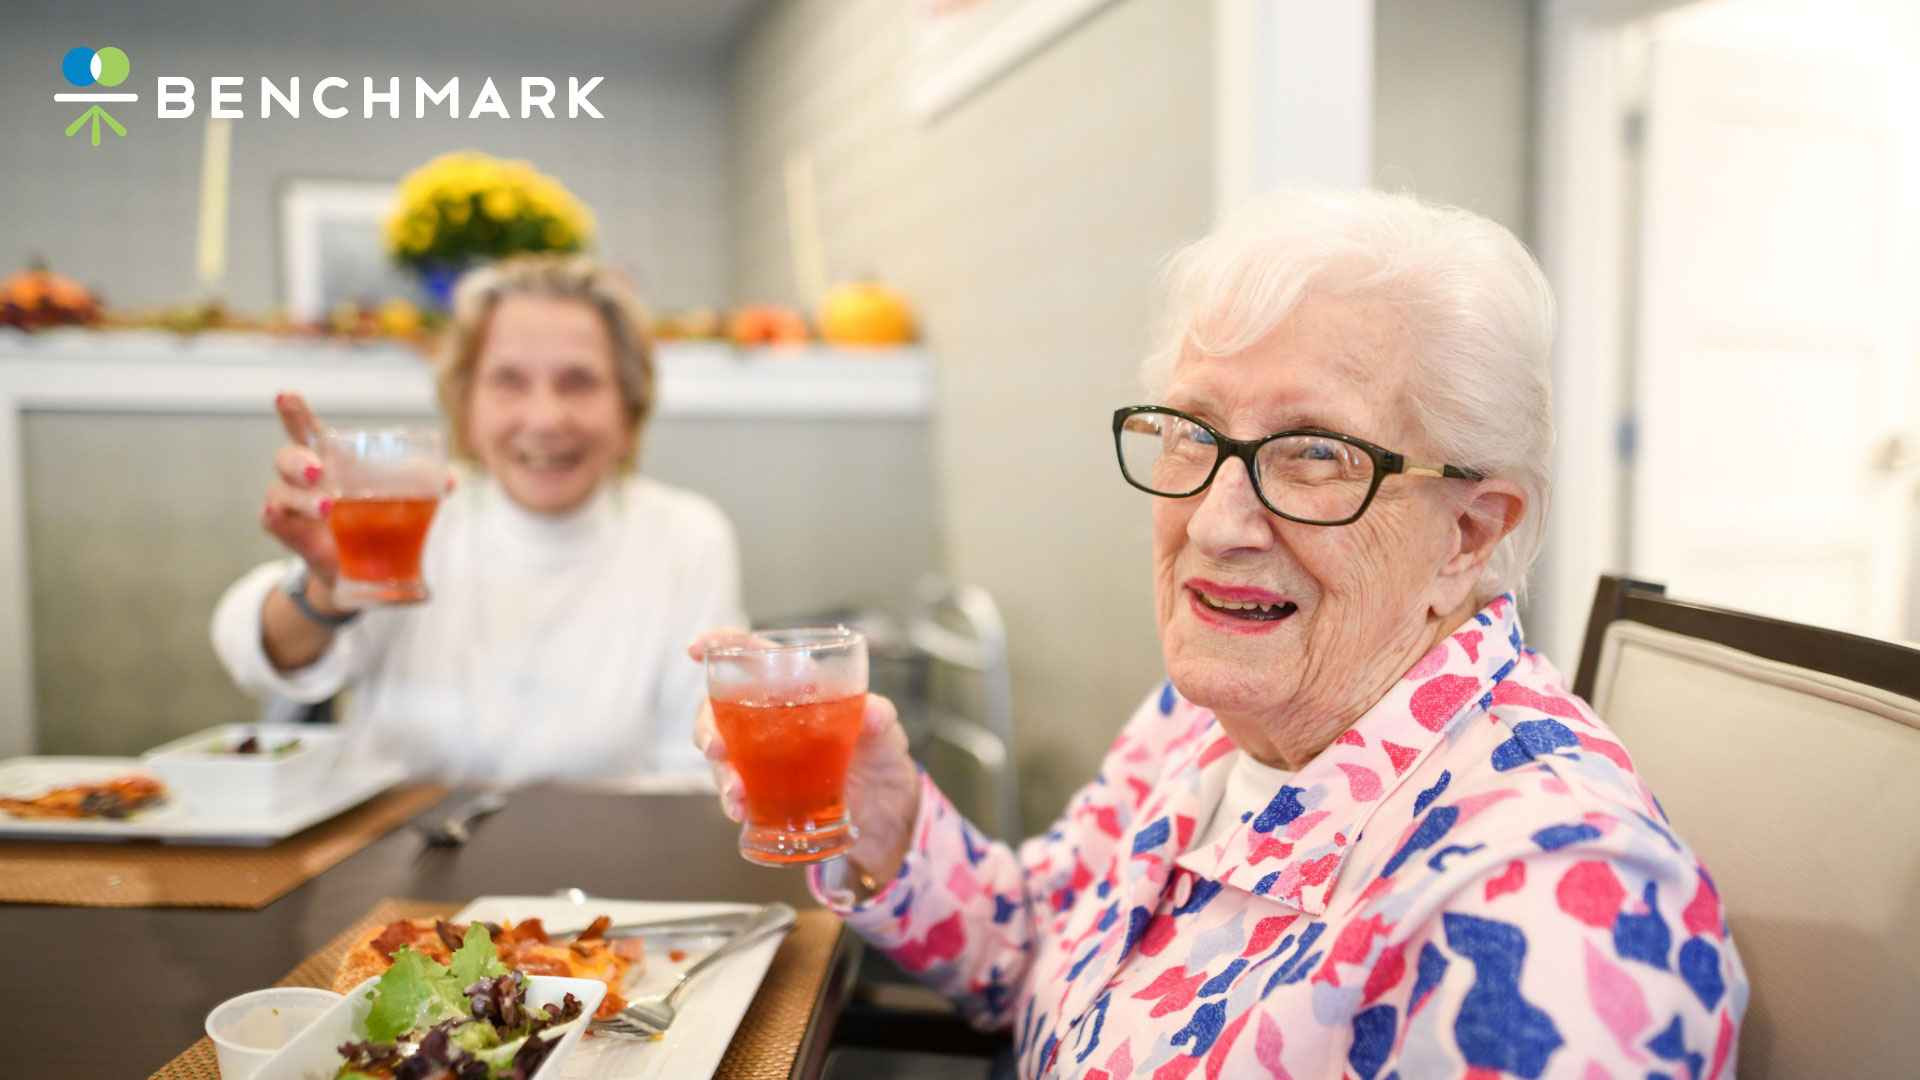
[(80, 66)]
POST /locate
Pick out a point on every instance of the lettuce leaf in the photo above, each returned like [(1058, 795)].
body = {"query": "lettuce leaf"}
[(476, 958), (415, 992)]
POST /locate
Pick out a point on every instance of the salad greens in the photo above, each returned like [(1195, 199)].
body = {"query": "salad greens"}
[(252, 745), (466, 1020)]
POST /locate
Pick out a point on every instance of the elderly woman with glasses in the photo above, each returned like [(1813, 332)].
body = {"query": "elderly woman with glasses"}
[(1362, 830)]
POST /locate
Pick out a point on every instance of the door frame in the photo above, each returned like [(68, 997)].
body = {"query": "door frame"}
[(1579, 226)]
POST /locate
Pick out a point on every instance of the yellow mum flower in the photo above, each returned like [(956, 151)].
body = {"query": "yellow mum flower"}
[(435, 209), (502, 204)]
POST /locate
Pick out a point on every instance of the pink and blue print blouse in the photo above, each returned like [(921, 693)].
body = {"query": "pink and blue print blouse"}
[(1470, 882)]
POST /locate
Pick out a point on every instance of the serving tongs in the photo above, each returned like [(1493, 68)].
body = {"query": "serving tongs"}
[(649, 1017), (730, 922), (725, 922)]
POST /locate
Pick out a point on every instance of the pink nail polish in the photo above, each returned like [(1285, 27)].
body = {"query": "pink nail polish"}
[(326, 507), (312, 473)]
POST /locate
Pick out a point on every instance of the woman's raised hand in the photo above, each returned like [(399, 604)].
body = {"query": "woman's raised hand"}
[(883, 787), (296, 510)]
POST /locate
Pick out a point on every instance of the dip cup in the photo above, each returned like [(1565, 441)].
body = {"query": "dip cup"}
[(248, 1029)]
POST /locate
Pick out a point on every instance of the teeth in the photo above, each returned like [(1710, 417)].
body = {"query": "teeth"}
[(1229, 605)]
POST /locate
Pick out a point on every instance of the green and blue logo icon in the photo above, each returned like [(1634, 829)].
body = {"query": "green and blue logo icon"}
[(85, 67)]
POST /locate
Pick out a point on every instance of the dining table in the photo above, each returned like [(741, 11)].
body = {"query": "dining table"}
[(118, 992)]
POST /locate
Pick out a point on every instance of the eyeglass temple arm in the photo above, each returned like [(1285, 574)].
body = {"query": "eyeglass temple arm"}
[(1400, 463)]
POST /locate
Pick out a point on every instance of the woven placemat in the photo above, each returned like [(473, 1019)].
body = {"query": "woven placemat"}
[(770, 1033), (763, 1048), (150, 874)]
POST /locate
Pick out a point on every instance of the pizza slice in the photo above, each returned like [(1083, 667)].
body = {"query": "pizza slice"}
[(524, 946), (113, 799)]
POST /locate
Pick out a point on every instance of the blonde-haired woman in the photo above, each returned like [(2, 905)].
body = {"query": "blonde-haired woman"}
[(564, 583)]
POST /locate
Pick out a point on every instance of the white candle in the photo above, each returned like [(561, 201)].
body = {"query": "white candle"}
[(803, 228), (215, 162)]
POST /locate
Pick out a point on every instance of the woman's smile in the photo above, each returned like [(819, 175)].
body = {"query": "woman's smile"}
[(1237, 609)]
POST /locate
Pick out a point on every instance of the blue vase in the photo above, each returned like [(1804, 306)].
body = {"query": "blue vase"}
[(438, 280)]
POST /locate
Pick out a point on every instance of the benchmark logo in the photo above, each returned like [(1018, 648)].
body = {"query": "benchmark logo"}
[(85, 67), (174, 95), (225, 92)]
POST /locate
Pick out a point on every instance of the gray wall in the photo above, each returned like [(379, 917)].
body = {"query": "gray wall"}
[(123, 217), (1453, 86), (1026, 224)]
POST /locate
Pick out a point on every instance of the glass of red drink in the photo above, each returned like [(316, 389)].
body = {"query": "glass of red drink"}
[(788, 703), (385, 484)]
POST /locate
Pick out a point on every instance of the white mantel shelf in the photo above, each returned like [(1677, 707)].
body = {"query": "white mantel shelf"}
[(231, 372), (154, 372)]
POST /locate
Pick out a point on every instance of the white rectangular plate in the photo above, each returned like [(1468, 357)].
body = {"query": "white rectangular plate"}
[(709, 1010), (25, 777)]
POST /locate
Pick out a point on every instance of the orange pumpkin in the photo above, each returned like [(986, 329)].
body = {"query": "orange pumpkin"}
[(865, 313), (767, 324), (40, 297)]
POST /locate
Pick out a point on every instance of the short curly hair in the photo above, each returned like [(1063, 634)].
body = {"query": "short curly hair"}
[(1478, 301)]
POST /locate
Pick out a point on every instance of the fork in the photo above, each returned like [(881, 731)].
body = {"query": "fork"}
[(649, 1018), (452, 831)]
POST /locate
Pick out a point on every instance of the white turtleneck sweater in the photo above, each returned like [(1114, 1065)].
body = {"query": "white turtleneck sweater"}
[(552, 648)]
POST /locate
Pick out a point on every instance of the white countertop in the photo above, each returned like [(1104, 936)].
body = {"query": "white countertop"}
[(156, 371)]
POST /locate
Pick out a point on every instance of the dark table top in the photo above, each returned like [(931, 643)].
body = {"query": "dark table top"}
[(118, 992)]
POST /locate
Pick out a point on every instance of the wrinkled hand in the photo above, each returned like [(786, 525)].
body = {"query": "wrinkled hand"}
[(296, 509), (883, 788)]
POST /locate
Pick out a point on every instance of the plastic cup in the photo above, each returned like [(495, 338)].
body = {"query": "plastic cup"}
[(249, 1029), (789, 703)]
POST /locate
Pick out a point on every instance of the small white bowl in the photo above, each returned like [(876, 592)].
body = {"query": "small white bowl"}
[(203, 773), (249, 1029), (316, 1050)]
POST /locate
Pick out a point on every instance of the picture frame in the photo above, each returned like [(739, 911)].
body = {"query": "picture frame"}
[(333, 248)]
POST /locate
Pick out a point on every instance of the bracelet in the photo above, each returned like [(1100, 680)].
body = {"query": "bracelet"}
[(295, 586)]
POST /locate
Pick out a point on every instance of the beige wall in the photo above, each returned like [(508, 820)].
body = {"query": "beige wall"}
[(1026, 224)]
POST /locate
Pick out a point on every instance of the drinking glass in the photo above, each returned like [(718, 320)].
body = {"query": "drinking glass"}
[(788, 703), (385, 484)]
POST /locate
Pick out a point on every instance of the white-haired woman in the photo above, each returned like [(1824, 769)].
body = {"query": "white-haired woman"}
[(564, 583), (1363, 830)]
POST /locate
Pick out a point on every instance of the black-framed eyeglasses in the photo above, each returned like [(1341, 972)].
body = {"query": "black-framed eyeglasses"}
[(1306, 475)]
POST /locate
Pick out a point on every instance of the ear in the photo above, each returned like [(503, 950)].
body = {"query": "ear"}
[(1491, 510)]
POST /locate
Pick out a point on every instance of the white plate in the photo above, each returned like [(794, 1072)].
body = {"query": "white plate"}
[(709, 1010), (314, 1053), (25, 777)]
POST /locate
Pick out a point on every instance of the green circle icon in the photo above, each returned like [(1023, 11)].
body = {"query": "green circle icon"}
[(114, 67)]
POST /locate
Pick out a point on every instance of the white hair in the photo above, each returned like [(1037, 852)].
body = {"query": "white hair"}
[(1473, 296)]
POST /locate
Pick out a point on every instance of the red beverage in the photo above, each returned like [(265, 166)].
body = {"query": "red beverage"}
[(380, 540), (792, 757)]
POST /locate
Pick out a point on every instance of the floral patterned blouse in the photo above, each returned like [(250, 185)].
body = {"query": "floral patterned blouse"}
[(1470, 882)]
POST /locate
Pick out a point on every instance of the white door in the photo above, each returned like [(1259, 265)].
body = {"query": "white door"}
[(1778, 302)]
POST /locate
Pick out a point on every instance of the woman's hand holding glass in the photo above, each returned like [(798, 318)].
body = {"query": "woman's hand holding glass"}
[(882, 788), (296, 509)]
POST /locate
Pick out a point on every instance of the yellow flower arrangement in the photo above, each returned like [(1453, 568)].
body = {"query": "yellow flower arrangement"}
[(468, 205)]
